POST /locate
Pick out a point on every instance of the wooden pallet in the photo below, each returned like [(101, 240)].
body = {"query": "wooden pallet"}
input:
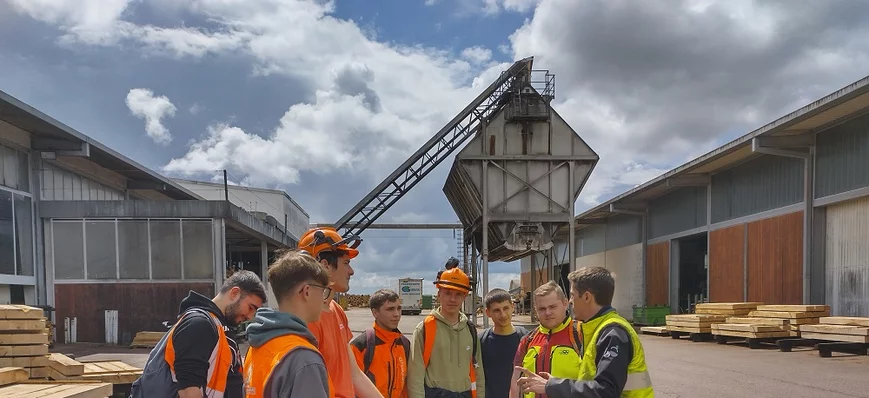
[(838, 329), (655, 330), (24, 339)]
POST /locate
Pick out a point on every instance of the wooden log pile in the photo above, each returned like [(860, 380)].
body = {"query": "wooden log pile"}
[(837, 328), (14, 383), (24, 339), (358, 300)]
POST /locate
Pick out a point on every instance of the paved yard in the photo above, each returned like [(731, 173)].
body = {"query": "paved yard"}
[(679, 368)]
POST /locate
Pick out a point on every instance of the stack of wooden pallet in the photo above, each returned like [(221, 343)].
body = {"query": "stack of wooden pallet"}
[(692, 323), (726, 309), (14, 383), (114, 372), (24, 339), (147, 339), (789, 317), (836, 328)]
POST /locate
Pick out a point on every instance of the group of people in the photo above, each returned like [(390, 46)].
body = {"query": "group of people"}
[(303, 346)]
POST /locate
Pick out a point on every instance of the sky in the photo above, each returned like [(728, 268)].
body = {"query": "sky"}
[(323, 99)]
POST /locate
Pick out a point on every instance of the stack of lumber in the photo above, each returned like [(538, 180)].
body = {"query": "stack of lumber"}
[(114, 372), (726, 309), (692, 323), (147, 339), (24, 339), (14, 383), (789, 317), (358, 300), (838, 328)]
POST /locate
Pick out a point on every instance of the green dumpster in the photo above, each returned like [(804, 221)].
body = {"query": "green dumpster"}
[(426, 302), (651, 315)]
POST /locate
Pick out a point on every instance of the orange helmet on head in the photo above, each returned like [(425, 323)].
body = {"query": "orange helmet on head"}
[(453, 278), (327, 239)]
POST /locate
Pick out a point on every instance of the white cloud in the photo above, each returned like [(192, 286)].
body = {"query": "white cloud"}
[(88, 21), (144, 105), (477, 54)]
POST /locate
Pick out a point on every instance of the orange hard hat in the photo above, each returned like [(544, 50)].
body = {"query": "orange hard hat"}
[(327, 239), (453, 277)]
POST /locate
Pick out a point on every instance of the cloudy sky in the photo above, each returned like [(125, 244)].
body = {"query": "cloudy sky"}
[(325, 98)]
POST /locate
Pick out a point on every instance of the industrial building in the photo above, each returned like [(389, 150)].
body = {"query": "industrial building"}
[(87, 230), (779, 215)]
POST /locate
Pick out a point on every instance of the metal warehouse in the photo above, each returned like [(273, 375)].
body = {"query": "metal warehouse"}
[(779, 215), (83, 224)]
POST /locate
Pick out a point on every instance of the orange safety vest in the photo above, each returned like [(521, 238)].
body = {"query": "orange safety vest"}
[(430, 328), (218, 363), (261, 361)]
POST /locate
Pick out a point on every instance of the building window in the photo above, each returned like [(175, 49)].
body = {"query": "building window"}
[(157, 249), (16, 234), (14, 168)]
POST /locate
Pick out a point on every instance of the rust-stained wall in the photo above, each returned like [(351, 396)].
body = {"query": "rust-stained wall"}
[(658, 274), (775, 259), (726, 261), (141, 306)]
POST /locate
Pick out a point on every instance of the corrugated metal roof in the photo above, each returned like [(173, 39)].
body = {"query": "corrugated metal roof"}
[(848, 101)]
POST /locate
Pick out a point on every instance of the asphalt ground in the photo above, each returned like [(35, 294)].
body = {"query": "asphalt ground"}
[(679, 368)]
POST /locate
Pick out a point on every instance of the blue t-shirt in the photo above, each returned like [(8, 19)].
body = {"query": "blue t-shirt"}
[(498, 352)]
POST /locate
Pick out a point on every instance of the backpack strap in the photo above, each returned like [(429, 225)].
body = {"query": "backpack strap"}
[(473, 329), (575, 338), (370, 342), (405, 342)]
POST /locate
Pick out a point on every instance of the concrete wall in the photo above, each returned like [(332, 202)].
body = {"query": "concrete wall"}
[(626, 264)]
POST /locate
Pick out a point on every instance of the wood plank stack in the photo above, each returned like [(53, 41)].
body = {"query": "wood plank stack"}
[(146, 339), (692, 323), (14, 383), (789, 316), (726, 309), (114, 372), (24, 339), (836, 328), (61, 367)]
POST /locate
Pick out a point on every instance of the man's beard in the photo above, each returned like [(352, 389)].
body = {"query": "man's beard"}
[(231, 313)]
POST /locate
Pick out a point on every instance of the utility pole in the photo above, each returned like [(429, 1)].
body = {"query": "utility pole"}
[(225, 186)]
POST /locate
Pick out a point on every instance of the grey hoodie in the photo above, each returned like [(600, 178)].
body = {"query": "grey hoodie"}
[(297, 373)]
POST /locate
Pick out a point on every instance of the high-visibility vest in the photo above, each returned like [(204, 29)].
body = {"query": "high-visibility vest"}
[(430, 328), (261, 361), (158, 378), (563, 353), (639, 384)]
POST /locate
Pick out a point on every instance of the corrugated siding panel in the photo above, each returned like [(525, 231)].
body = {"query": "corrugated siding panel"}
[(623, 230), (843, 158), (847, 258), (775, 259), (762, 184), (726, 264), (61, 184), (678, 211), (658, 274), (592, 239)]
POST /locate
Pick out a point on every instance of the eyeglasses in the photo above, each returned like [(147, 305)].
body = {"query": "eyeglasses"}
[(326, 290)]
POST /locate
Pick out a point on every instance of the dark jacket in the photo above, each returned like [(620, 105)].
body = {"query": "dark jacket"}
[(302, 373), (612, 371), (194, 339)]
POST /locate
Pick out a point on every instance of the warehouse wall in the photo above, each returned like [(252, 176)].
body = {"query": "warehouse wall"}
[(847, 258), (727, 264), (774, 255), (626, 265), (764, 183), (658, 274), (681, 210), (842, 158)]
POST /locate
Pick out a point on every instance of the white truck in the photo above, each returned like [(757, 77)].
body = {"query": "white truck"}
[(410, 295)]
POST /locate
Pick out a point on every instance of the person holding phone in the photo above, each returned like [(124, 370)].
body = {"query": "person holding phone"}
[(613, 363)]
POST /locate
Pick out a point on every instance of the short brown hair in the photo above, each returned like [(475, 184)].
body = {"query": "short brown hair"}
[(497, 296), (381, 297), (550, 287), (248, 282), (596, 280), (293, 269)]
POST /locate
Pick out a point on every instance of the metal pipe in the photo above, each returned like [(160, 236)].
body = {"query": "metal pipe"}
[(485, 253)]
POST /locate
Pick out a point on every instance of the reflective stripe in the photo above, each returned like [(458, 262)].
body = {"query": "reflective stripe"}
[(638, 381)]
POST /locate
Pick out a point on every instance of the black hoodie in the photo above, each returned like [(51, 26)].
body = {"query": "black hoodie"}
[(194, 340)]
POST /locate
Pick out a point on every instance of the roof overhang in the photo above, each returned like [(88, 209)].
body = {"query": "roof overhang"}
[(55, 140), (792, 129), (235, 217)]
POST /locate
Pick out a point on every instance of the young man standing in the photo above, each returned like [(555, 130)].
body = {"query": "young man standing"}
[(555, 346), (446, 361), (198, 356), (614, 364), (499, 343), (283, 360), (333, 330), (382, 352)]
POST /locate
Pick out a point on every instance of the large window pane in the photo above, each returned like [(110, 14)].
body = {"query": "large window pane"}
[(68, 250), (198, 250), (24, 234), (166, 249), (133, 249), (101, 260), (10, 167), (7, 240), (23, 171)]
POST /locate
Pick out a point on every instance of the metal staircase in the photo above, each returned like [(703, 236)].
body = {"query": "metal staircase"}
[(465, 125)]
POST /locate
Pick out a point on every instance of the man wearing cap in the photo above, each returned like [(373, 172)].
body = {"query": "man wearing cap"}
[(332, 331), (446, 360)]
